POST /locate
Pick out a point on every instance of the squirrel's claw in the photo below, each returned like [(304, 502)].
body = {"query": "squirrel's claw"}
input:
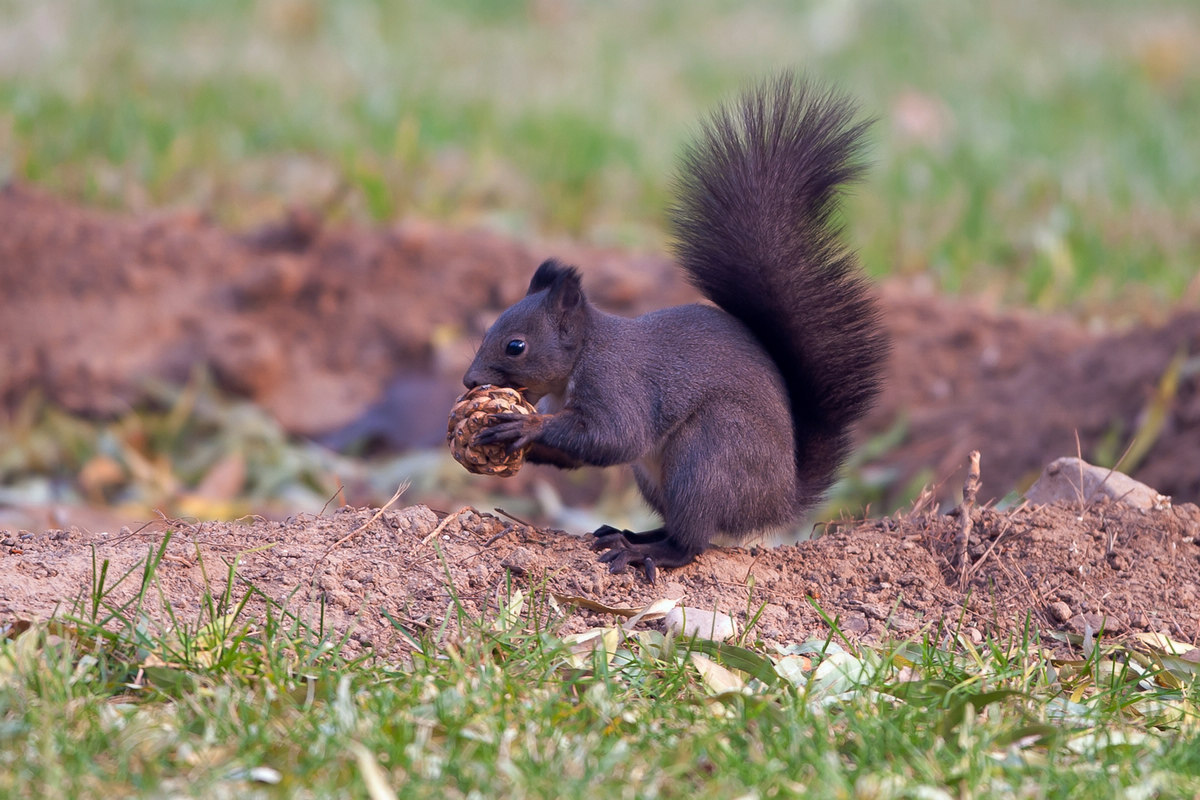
[(648, 550), (620, 558), (513, 430), (607, 536), (626, 548)]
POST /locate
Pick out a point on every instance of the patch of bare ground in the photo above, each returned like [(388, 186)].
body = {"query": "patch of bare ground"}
[(384, 576)]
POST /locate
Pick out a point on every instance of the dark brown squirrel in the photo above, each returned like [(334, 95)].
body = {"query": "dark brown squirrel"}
[(704, 402)]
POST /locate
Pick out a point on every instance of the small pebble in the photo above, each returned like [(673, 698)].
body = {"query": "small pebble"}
[(1059, 611), (697, 622), (1098, 623), (518, 561)]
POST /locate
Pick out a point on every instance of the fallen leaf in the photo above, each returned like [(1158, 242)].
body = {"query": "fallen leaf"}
[(716, 677)]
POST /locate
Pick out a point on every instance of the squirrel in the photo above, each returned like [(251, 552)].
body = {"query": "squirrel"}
[(736, 418)]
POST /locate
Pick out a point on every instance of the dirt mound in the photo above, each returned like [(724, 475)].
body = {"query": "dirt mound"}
[(1107, 566), (1019, 387), (310, 326), (364, 333)]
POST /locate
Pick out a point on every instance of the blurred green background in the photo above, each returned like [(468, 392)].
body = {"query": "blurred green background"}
[(1038, 153)]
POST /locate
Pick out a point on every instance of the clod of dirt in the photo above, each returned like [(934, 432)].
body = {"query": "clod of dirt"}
[(1059, 611)]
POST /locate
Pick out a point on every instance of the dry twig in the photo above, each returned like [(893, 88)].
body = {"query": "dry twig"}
[(441, 526), (970, 489), (399, 491), (338, 494), (513, 517)]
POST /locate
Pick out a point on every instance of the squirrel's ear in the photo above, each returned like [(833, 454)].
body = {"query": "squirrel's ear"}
[(566, 289)]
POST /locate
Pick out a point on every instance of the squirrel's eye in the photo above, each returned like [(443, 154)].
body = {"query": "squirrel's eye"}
[(515, 347)]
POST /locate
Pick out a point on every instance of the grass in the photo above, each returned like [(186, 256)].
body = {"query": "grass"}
[(1039, 152), (127, 698)]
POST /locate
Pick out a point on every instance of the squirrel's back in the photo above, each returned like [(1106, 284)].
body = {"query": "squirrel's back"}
[(756, 231)]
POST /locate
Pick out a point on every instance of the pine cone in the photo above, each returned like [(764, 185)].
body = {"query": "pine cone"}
[(470, 415)]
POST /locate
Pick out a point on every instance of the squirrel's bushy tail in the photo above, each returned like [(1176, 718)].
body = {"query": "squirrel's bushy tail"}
[(756, 231)]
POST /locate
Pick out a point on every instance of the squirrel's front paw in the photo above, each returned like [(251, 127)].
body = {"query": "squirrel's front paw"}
[(515, 431)]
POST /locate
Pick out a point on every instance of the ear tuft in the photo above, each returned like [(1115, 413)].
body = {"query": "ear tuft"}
[(564, 283), (551, 273)]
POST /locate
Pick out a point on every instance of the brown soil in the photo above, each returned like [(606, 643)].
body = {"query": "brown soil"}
[(348, 332), (1112, 568)]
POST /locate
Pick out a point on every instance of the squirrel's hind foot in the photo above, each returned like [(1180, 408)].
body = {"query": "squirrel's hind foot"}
[(648, 550)]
